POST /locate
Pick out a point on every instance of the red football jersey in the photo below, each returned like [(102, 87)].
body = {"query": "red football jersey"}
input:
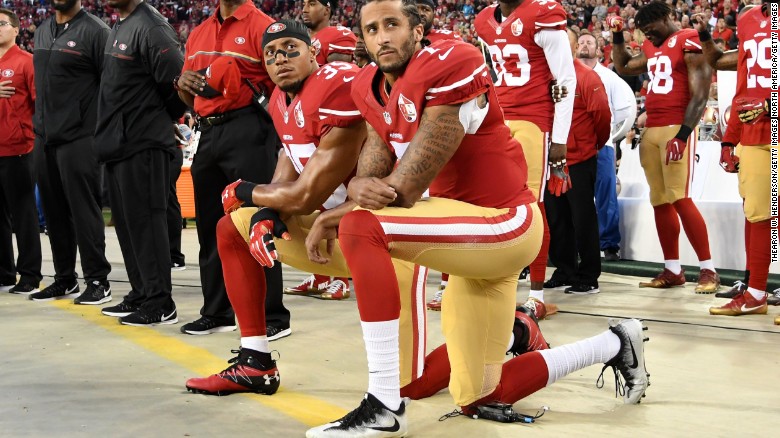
[(754, 71), (333, 39), (323, 102), (668, 94), (489, 168), (441, 34), (523, 84)]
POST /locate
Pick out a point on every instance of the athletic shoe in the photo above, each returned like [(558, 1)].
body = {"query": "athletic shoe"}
[(6, 287), (311, 285), (206, 326), (555, 284), (274, 333), (98, 292), (57, 290), (370, 419), (582, 289), (175, 267), (524, 274), (535, 307), (144, 317), (709, 282), (24, 289), (611, 255), (528, 336), (336, 290), (251, 371), (435, 303), (665, 279), (122, 309), (630, 361), (774, 298), (735, 290), (744, 304)]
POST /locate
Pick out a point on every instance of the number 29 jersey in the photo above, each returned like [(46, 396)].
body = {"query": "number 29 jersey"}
[(754, 71), (668, 94), (523, 76)]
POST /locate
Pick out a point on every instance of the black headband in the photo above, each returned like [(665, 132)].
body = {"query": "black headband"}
[(329, 3), (286, 29)]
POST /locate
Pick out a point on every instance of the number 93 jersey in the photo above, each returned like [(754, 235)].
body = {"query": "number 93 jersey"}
[(754, 71), (523, 76), (668, 93)]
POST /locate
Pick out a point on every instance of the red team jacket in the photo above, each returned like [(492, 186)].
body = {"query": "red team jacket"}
[(16, 112), (333, 39), (488, 168), (590, 121), (323, 103)]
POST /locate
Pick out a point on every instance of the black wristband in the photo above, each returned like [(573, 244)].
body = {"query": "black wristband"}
[(617, 38), (244, 193), (726, 144), (705, 35), (682, 134)]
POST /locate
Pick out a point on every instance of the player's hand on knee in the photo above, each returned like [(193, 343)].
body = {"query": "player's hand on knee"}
[(266, 224), (370, 193), (317, 234), (750, 110), (728, 161), (236, 195), (559, 181)]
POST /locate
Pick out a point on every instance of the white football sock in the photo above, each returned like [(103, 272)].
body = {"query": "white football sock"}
[(757, 294), (572, 357), (538, 294), (707, 264), (257, 343), (673, 265), (384, 371)]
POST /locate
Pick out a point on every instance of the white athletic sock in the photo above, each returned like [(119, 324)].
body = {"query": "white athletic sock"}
[(707, 264), (757, 294), (384, 371), (538, 294), (673, 265), (443, 283), (257, 343), (572, 357)]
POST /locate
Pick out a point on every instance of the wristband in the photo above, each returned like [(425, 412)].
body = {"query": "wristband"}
[(617, 38), (682, 134), (705, 36), (244, 192), (726, 144)]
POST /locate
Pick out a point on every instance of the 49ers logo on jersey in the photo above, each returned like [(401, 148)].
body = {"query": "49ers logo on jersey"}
[(407, 108), (7, 73), (298, 114), (517, 27), (317, 46), (672, 41)]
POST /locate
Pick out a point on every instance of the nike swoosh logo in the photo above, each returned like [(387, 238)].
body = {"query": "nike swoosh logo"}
[(446, 54), (346, 79), (167, 317), (744, 308), (394, 428), (165, 50), (633, 354)]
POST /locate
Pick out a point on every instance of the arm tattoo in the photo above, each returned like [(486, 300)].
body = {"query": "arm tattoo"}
[(375, 159)]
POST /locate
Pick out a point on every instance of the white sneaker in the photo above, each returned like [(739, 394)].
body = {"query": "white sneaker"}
[(630, 361), (370, 419)]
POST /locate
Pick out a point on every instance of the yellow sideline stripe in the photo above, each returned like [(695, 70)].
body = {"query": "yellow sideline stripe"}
[(306, 409)]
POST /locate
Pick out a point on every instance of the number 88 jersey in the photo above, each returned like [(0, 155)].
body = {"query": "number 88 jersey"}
[(668, 93), (754, 71), (523, 76)]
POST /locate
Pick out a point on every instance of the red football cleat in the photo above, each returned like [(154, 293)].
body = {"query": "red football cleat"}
[(251, 371), (665, 279), (528, 335), (309, 286), (744, 304)]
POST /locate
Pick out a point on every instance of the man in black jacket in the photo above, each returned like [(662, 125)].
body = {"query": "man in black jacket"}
[(68, 58), (136, 105)]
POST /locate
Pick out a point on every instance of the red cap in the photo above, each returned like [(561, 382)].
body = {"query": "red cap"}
[(224, 76)]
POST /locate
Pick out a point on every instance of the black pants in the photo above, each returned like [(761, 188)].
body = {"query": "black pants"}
[(139, 187), (173, 212), (19, 215), (245, 147), (69, 179), (572, 219)]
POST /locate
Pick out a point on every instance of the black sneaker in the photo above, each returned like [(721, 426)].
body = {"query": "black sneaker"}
[(175, 267), (371, 418), (524, 274), (98, 292), (582, 289), (274, 333), (207, 326), (57, 290), (555, 284), (24, 289), (144, 317), (122, 309), (611, 255), (735, 290), (773, 298)]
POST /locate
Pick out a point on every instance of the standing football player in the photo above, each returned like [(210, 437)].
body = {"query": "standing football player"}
[(426, 8), (679, 86)]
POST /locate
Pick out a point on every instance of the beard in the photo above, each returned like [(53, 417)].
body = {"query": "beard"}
[(293, 87), (65, 6), (585, 55), (427, 27), (405, 53)]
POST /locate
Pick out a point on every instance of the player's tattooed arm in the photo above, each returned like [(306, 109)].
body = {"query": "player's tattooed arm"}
[(699, 78), (437, 138), (376, 158), (628, 65)]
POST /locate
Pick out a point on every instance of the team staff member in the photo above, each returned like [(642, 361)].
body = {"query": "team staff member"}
[(237, 142), (68, 59), (426, 8), (572, 215), (332, 43), (17, 184), (136, 106)]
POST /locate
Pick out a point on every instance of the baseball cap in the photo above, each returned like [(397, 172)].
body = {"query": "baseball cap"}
[(222, 77)]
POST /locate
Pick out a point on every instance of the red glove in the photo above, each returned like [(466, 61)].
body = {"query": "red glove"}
[(615, 23), (264, 226), (237, 195), (751, 110), (675, 148), (728, 161), (559, 182)]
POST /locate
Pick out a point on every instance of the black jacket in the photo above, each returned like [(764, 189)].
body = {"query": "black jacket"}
[(67, 76), (137, 102)]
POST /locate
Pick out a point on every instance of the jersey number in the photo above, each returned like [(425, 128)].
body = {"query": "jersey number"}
[(523, 68), (758, 53), (331, 69), (660, 71)]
